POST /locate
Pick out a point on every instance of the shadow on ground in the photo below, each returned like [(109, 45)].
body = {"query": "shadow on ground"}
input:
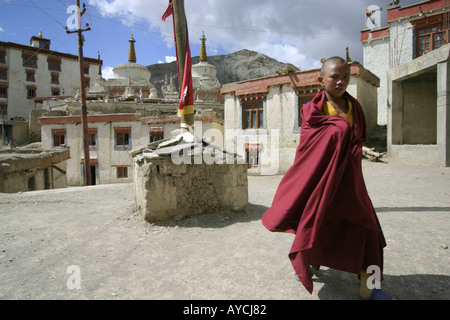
[(223, 219), (338, 285), (412, 209)]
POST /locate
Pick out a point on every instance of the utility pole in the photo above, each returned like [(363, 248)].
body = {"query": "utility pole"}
[(84, 121)]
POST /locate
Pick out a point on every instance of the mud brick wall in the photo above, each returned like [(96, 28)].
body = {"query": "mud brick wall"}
[(164, 190)]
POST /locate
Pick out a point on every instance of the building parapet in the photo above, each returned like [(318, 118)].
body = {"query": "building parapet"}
[(303, 79)]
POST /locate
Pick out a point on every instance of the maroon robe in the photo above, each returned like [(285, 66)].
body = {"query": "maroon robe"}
[(323, 200)]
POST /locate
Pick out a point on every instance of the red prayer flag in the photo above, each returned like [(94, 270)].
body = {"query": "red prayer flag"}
[(168, 12), (186, 105)]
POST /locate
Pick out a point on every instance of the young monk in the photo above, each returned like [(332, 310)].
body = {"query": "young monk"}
[(322, 199)]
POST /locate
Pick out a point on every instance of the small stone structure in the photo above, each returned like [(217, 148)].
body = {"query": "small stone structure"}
[(33, 168), (166, 188)]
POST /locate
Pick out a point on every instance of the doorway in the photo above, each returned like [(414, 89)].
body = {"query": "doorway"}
[(93, 177)]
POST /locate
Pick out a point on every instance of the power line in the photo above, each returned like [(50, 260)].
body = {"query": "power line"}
[(47, 14), (145, 28)]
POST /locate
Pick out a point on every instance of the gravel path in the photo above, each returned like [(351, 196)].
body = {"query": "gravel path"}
[(89, 243)]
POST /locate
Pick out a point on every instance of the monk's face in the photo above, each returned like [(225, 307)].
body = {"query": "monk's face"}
[(335, 79)]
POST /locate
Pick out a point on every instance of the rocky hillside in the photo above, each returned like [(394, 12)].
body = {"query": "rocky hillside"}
[(239, 66)]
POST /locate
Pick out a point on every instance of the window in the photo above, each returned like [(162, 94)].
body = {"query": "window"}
[(252, 155), (302, 100), (54, 78), (92, 137), (431, 34), (30, 75), (3, 73), (29, 60), (54, 64), (2, 56), (59, 137), (86, 69), (3, 91), (122, 138), (31, 92), (252, 113), (156, 134), (122, 172), (3, 108), (55, 92)]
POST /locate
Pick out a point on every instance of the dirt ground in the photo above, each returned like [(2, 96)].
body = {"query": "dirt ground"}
[(90, 243)]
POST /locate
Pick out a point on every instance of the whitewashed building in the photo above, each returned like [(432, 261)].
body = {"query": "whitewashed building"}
[(115, 129), (411, 32), (411, 58), (262, 116), (30, 71), (124, 114)]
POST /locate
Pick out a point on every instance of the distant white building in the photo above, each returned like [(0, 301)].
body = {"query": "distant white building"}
[(262, 116), (115, 129), (132, 80), (27, 72), (124, 114), (411, 32)]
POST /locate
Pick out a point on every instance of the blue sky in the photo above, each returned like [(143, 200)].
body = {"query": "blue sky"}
[(300, 32)]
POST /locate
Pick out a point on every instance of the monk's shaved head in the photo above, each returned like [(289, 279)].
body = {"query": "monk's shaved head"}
[(331, 61)]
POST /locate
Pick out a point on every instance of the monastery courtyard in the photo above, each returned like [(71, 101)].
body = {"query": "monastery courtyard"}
[(90, 243)]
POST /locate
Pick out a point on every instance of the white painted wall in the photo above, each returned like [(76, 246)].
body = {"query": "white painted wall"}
[(69, 80), (376, 59), (383, 54)]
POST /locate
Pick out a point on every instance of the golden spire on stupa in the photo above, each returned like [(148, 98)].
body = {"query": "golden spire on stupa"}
[(40, 33), (203, 56), (132, 52)]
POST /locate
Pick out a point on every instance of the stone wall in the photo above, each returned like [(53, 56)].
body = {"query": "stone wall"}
[(164, 190), (32, 169)]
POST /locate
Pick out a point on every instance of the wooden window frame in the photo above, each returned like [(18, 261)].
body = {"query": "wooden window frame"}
[(58, 137), (54, 78), (93, 139), (2, 56), (31, 92), (302, 100), (29, 60), (121, 172), (253, 115), (3, 108), (252, 152), (156, 134), (54, 64), (30, 75), (3, 73), (3, 91), (122, 138), (55, 92), (429, 27)]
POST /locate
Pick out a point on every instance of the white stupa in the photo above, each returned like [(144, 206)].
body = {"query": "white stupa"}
[(131, 78), (204, 77), (132, 70)]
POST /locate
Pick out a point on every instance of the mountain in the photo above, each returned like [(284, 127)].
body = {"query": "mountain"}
[(238, 66)]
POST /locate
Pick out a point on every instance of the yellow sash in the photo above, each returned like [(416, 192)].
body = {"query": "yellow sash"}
[(328, 110)]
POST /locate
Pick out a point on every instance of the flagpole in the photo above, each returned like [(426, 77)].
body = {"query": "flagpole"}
[(180, 30)]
